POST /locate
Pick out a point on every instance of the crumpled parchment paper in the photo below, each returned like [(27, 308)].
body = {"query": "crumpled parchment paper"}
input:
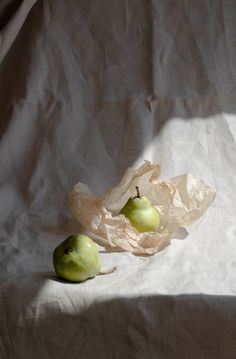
[(180, 201)]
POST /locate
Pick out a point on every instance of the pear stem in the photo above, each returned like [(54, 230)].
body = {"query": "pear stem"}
[(108, 271), (138, 193)]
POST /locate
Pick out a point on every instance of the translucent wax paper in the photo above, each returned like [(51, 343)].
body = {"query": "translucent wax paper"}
[(180, 201)]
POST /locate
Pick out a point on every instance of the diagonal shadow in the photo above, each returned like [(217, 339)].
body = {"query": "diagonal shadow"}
[(7, 10), (81, 134), (36, 323), (48, 318)]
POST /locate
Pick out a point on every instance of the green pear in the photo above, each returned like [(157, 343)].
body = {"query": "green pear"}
[(141, 214), (76, 258)]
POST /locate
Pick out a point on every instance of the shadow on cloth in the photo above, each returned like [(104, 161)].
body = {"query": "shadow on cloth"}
[(65, 321)]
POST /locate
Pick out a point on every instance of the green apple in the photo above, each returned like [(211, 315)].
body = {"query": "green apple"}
[(76, 258), (141, 214)]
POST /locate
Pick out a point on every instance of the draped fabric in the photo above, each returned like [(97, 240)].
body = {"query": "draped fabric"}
[(87, 89)]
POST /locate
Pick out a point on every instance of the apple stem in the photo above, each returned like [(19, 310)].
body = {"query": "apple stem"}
[(138, 193)]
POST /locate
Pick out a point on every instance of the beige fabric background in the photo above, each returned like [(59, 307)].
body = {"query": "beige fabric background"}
[(88, 88)]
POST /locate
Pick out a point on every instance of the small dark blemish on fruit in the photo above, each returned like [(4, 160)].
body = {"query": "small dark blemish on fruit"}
[(67, 250)]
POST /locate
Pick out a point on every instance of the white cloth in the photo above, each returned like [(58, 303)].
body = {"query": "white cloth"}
[(88, 89)]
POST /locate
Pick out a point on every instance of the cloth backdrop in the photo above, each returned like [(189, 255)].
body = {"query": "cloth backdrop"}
[(88, 88)]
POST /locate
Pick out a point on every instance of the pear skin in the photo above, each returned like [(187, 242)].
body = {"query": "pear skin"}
[(141, 214), (76, 258)]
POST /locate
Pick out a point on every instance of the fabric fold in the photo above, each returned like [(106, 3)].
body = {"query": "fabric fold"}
[(10, 31)]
